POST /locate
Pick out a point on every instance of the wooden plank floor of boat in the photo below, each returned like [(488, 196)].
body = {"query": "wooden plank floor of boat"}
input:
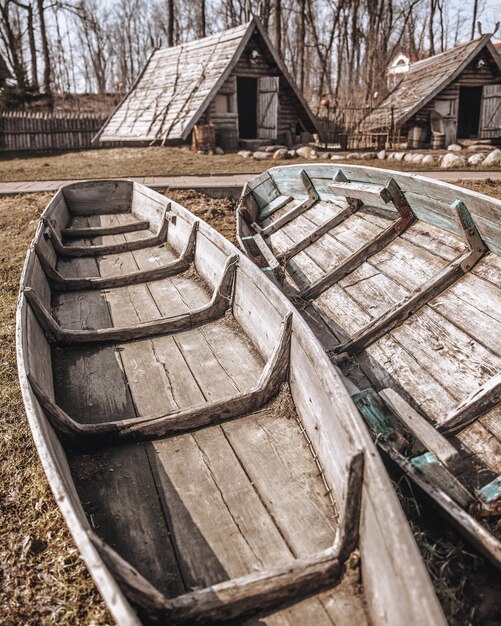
[(206, 506), (442, 353)]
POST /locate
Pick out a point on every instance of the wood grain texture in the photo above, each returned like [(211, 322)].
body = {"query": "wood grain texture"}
[(220, 302), (101, 249), (206, 365), (62, 283), (422, 430), (142, 428)]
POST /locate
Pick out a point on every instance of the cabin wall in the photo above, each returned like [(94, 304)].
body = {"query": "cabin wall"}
[(447, 101), (225, 122), (290, 116)]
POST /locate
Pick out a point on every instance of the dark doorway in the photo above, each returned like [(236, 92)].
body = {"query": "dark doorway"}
[(247, 107), (469, 111)]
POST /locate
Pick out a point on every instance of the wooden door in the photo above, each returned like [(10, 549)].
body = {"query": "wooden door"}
[(267, 107), (490, 120), (448, 110)]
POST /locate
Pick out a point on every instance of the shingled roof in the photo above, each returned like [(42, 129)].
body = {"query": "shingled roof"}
[(424, 80), (178, 83)]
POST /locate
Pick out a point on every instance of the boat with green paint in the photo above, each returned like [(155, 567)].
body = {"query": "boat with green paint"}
[(400, 278)]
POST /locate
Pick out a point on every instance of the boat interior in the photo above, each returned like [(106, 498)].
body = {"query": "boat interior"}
[(400, 277), (201, 460)]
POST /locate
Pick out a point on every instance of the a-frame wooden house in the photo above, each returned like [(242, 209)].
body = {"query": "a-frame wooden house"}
[(234, 80)]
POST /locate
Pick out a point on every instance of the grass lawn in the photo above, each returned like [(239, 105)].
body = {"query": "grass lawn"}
[(42, 579), (152, 161)]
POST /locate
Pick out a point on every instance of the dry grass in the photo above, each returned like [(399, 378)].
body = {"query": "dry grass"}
[(487, 185), (220, 214), (152, 161), (467, 587), (42, 579)]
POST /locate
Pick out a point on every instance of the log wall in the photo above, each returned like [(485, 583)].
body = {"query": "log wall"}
[(471, 76), (289, 117)]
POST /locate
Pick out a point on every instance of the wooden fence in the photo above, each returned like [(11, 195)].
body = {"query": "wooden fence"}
[(23, 131), (341, 129)]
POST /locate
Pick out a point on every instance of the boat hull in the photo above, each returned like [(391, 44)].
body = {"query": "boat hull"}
[(215, 448)]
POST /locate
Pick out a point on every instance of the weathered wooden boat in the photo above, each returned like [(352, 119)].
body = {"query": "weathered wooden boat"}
[(206, 455), (401, 277)]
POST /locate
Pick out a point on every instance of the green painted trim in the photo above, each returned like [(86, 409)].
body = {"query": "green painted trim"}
[(274, 206), (423, 460), (376, 414), (463, 214), (491, 492)]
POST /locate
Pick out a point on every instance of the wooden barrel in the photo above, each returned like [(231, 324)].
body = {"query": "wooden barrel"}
[(204, 137), (417, 136), (438, 142), (227, 138)]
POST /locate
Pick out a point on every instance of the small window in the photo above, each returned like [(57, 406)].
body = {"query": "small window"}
[(224, 103)]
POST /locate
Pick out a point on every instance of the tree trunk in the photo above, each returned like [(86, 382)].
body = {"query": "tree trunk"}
[(430, 27), (265, 13), (47, 74), (278, 25), (33, 48), (170, 23), (474, 18), (202, 19), (14, 47), (302, 42)]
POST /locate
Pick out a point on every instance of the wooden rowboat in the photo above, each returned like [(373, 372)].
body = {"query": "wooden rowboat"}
[(401, 277), (204, 452)]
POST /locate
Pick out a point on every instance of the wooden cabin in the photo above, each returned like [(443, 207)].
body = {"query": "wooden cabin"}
[(456, 94), (234, 80)]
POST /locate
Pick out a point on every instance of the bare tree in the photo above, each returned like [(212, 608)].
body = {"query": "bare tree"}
[(277, 22), (474, 18), (11, 36)]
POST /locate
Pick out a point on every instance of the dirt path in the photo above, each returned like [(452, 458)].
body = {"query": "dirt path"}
[(228, 184)]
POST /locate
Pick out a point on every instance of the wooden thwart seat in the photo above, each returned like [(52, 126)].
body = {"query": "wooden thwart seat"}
[(99, 231), (259, 592), (61, 283), (220, 302), (125, 246), (360, 191), (273, 375)]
